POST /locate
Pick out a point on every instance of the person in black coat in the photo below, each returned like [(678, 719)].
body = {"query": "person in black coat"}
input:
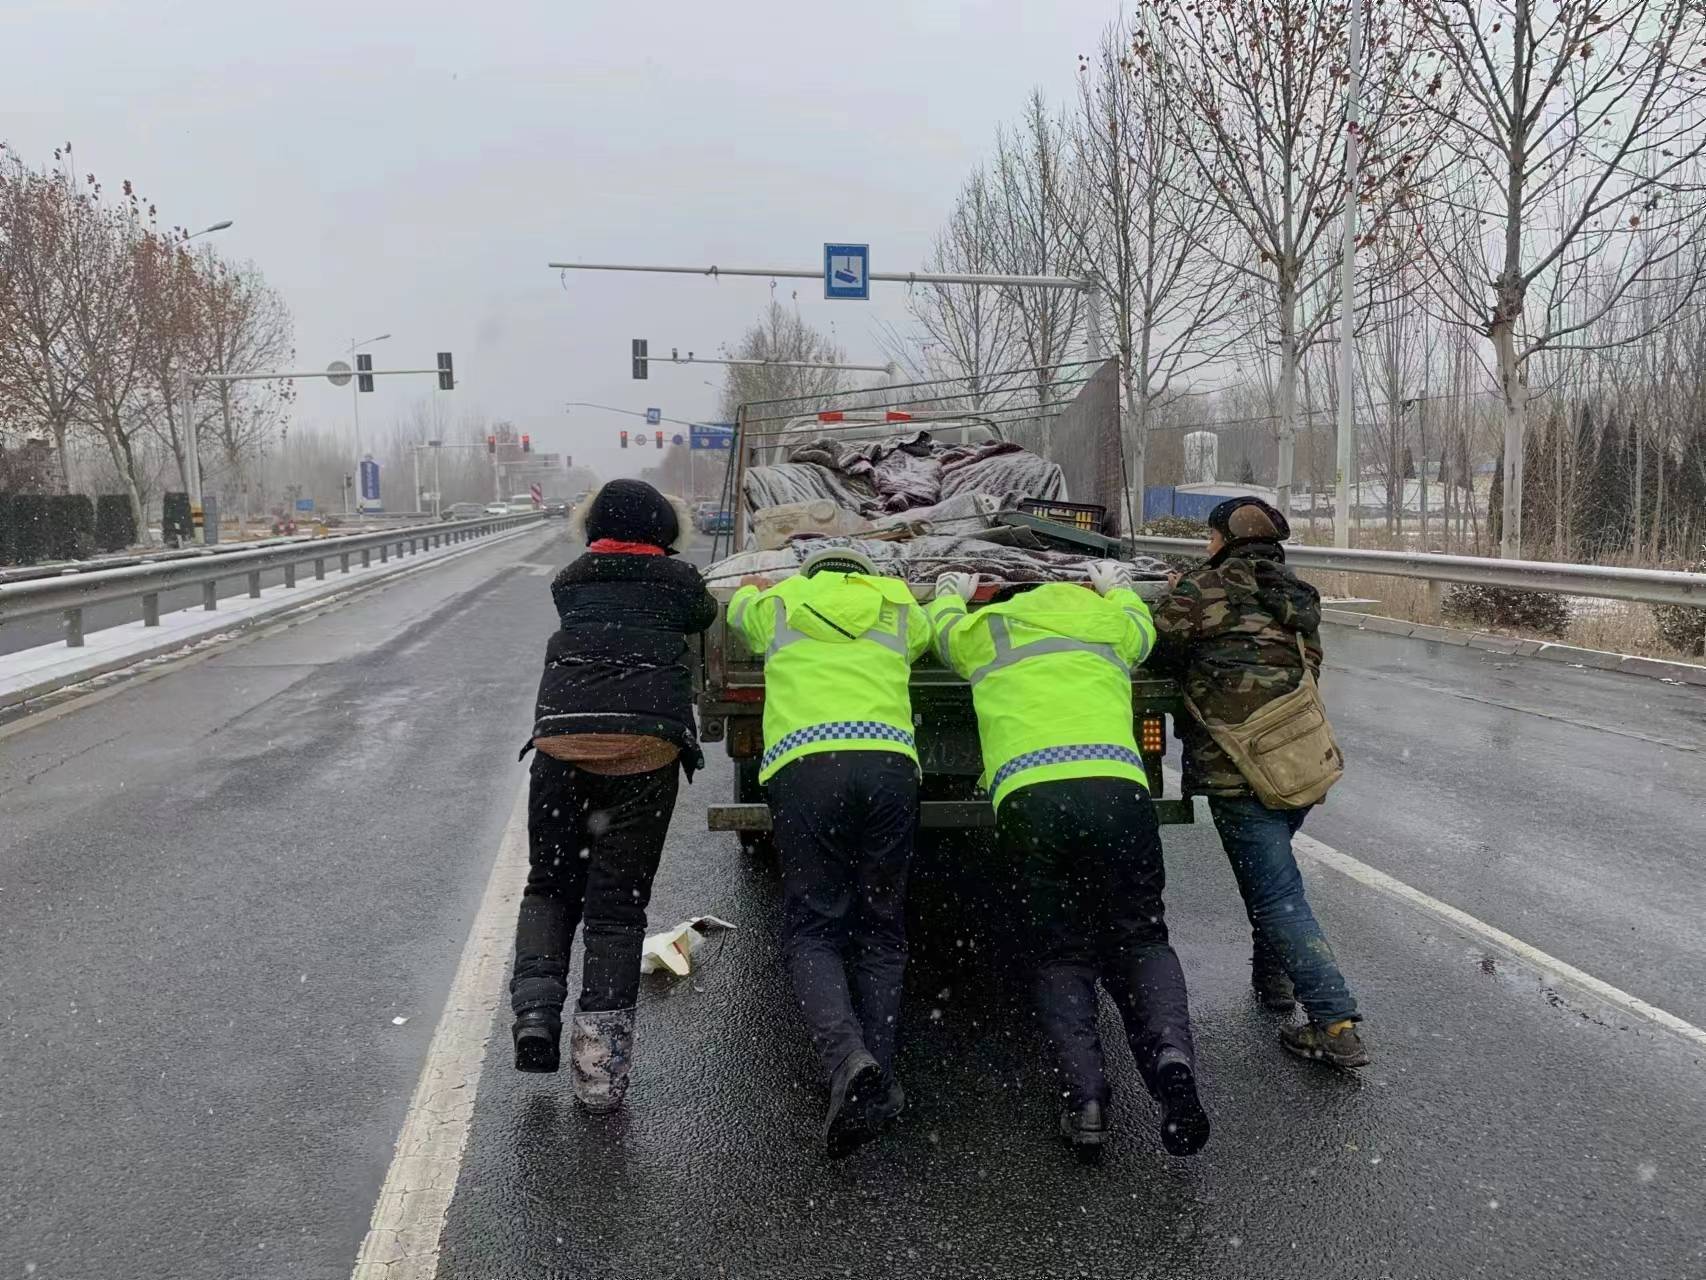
[(613, 732)]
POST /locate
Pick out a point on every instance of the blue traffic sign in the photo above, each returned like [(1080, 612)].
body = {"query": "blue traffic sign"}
[(369, 485), (847, 271), (711, 436), (653, 417)]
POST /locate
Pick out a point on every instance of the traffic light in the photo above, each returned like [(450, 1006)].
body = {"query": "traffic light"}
[(624, 439), (640, 359), (660, 439), (491, 444), (364, 374), (527, 444), (446, 375)]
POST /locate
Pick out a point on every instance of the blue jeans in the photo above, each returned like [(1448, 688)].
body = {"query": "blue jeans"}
[(1258, 843)]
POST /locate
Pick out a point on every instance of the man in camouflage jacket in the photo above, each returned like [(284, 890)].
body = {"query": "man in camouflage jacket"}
[(1228, 631)]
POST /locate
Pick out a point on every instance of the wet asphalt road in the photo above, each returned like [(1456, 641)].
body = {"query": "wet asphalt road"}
[(217, 889), (202, 946)]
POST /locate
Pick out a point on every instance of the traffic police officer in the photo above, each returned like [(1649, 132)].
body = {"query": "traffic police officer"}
[(1050, 670), (841, 771)]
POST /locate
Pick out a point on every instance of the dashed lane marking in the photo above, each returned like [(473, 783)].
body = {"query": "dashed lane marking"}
[(403, 1238)]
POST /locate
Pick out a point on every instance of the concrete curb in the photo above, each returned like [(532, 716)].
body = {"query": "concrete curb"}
[(1570, 655), (206, 626)]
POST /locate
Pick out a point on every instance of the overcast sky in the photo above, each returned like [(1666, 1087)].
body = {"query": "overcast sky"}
[(412, 167)]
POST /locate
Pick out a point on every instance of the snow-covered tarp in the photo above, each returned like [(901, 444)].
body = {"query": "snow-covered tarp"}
[(932, 509), (913, 475), (920, 560)]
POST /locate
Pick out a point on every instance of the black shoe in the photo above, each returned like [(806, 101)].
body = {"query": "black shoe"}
[(1184, 1124), (1085, 1129), (892, 1104), (857, 1097), (536, 1034), (1274, 990), (1337, 1045)]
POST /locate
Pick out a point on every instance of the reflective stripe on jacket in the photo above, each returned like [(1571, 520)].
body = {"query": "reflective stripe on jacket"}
[(838, 652), (1050, 674)]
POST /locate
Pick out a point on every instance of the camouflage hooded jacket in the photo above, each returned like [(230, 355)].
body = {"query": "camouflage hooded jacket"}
[(1228, 632)]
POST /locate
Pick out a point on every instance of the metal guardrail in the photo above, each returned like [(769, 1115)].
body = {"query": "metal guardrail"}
[(1648, 586), (71, 593)]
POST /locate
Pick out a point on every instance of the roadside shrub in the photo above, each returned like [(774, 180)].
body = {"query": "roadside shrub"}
[(29, 527), (1545, 612), (115, 526), (70, 526), (1683, 626), (1175, 527), (6, 528)]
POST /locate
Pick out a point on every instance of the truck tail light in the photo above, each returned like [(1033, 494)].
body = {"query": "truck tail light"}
[(1152, 736)]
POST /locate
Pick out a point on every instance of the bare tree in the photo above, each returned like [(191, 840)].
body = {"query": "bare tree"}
[(1255, 94), (105, 331), (1037, 206), (242, 326), (42, 232), (972, 332), (1152, 239), (1577, 124)]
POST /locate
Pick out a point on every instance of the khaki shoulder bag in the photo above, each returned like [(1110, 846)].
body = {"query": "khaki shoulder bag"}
[(1285, 750)]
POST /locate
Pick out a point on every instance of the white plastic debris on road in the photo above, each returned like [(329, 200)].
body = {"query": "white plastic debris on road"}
[(673, 948)]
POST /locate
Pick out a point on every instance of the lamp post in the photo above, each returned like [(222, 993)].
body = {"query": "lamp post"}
[(186, 398)]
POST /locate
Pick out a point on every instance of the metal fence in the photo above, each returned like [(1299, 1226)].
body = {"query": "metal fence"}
[(1649, 586), (73, 592)]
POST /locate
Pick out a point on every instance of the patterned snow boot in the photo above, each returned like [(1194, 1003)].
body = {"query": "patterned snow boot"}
[(601, 1048)]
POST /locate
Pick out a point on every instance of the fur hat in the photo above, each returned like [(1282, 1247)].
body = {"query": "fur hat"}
[(633, 511)]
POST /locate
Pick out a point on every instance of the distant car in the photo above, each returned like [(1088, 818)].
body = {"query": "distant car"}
[(716, 520), (557, 507), (464, 511), (496, 509)]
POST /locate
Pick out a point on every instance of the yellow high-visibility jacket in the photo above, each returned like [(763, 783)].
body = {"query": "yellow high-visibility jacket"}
[(1050, 674), (838, 652)]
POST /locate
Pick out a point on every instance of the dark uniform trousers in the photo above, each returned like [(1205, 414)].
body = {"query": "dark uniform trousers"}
[(1088, 852), (844, 824)]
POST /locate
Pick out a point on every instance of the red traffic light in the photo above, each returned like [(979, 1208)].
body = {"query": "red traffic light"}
[(660, 439), (624, 439), (527, 444), (491, 444)]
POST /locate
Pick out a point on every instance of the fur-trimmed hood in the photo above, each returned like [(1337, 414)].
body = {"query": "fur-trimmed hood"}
[(683, 519)]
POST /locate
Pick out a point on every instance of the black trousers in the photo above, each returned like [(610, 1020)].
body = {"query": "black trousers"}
[(594, 842), (1089, 854), (845, 823)]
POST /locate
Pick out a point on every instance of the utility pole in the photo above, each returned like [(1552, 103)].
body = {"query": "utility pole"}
[(1348, 287)]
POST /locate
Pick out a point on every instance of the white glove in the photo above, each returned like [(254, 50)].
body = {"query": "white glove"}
[(1109, 575), (963, 585)]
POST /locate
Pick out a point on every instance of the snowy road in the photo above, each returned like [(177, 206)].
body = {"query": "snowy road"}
[(221, 888)]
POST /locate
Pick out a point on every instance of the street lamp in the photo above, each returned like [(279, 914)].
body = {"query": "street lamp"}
[(355, 416), (186, 398)]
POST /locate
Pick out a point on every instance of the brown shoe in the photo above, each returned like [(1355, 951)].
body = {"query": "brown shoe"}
[(1337, 1044)]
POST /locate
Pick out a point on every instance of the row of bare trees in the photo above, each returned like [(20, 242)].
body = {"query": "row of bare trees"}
[(102, 313), (1530, 215)]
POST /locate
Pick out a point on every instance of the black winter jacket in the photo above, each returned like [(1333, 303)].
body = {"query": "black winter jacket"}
[(618, 664)]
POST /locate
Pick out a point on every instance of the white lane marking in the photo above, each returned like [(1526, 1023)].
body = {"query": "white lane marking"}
[(1315, 851), (403, 1238)]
